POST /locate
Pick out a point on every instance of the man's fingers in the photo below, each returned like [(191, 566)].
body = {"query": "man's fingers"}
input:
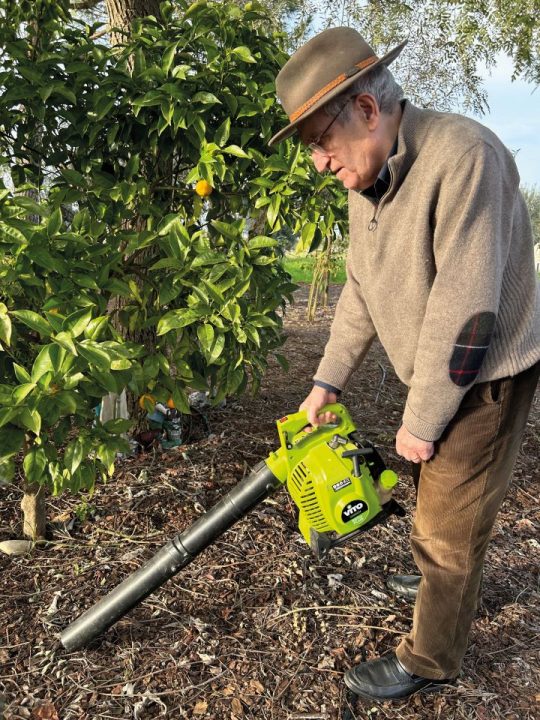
[(324, 418), (426, 454)]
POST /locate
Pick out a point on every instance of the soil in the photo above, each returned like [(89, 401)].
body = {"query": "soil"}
[(255, 627)]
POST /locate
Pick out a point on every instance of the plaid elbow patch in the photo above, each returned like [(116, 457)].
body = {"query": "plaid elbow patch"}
[(470, 348)]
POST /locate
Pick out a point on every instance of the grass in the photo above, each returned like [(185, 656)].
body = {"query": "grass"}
[(301, 268)]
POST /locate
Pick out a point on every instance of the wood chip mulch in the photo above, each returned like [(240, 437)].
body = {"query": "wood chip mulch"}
[(255, 627)]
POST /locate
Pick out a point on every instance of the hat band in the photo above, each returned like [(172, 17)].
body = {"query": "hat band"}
[(330, 86)]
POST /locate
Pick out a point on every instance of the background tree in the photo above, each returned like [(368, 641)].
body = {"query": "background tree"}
[(448, 39)]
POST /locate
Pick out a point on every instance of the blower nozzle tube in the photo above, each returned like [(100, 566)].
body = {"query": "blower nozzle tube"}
[(172, 557)]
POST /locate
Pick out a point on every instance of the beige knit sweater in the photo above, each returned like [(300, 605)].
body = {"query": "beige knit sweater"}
[(441, 270)]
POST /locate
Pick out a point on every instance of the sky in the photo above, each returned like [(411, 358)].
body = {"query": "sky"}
[(515, 117)]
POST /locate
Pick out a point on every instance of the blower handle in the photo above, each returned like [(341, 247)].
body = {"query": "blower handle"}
[(293, 437)]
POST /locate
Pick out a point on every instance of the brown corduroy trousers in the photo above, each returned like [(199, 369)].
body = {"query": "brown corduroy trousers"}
[(459, 493)]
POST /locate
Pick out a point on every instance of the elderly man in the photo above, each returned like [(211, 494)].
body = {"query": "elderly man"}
[(440, 268)]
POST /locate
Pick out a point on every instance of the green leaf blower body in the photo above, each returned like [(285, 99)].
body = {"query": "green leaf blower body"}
[(338, 485)]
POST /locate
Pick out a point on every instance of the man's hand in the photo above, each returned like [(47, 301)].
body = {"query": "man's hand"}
[(317, 399), (412, 448)]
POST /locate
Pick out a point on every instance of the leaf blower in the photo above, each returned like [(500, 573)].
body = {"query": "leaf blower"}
[(338, 481)]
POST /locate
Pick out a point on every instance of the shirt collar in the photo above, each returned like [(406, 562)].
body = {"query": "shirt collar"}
[(382, 183)]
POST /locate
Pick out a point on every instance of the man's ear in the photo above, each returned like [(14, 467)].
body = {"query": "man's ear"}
[(368, 108)]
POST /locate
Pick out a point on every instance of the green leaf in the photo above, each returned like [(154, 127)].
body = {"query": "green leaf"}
[(105, 380), (66, 402), (7, 470), (214, 293), (229, 230), (208, 258), (282, 360), (244, 53), (5, 325), (205, 98), (180, 400), (91, 352), (34, 321), (306, 239), (13, 233), (20, 393), (31, 419), (139, 62), (85, 281), (74, 454), (235, 150), (96, 327), (34, 465), (103, 106), (212, 350), (240, 334), (107, 454), (21, 373), (54, 223), (132, 168), (7, 414), (223, 132), (176, 319), (168, 58), (121, 364), (73, 177), (42, 257), (11, 441), (77, 322), (235, 377), (151, 367), (117, 426), (43, 363), (65, 340), (273, 210), (261, 241), (32, 206), (206, 335)]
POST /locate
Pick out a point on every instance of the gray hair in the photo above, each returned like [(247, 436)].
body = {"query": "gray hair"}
[(379, 82)]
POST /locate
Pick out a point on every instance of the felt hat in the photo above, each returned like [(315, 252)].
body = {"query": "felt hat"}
[(322, 69)]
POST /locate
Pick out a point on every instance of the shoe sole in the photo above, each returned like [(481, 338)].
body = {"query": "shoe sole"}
[(402, 592), (430, 688)]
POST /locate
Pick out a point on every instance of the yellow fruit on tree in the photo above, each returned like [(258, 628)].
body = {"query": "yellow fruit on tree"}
[(203, 188), (170, 404), (147, 401)]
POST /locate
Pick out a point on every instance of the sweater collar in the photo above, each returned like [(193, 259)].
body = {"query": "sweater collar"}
[(411, 134)]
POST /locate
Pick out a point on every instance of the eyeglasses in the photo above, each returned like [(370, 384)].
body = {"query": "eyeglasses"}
[(318, 145)]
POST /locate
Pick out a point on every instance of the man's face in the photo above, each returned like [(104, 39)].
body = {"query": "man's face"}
[(353, 150)]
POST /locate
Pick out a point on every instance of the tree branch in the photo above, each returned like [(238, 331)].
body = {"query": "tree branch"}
[(84, 4)]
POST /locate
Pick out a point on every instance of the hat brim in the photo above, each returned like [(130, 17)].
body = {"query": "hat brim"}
[(291, 128)]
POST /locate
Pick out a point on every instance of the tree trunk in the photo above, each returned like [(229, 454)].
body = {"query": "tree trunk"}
[(33, 501), (123, 12), (33, 508)]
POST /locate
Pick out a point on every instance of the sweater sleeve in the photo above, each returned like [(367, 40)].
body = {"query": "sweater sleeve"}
[(472, 231), (351, 335)]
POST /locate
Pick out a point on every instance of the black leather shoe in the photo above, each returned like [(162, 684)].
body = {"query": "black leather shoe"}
[(386, 679), (404, 585)]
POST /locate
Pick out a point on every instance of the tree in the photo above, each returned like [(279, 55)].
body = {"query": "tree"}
[(192, 88), (447, 41)]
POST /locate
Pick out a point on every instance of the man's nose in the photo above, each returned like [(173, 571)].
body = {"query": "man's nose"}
[(321, 161)]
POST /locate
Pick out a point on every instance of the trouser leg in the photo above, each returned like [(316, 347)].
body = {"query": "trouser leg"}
[(458, 496)]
